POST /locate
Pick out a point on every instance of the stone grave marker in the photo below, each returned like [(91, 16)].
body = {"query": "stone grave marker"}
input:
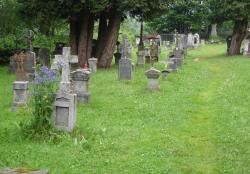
[(20, 86), (172, 65), (246, 51), (65, 106), (196, 40), (141, 58), (93, 64), (44, 56), (153, 76), (13, 63), (190, 40), (30, 65), (125, 69), (80, 84)]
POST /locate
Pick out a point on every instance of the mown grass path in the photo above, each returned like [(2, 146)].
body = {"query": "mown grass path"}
[(197, 123)]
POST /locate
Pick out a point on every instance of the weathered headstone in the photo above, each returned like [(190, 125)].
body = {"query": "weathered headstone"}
[(13, 63), (141, 58), (20, 86), (179, 55), (30, 37), (125, 69), (153, 76), (64, 114), (154, 50), (196, 40), (80, 84), (30, 65), (93, 64), (172, 65), (165, 74), (44, 56), (190, 40), (246, 51)]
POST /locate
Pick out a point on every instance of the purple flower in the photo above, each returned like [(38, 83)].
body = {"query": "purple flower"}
[(60, 63)]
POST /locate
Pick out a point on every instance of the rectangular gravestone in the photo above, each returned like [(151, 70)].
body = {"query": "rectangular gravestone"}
[(30, 65), (44, 56), (125, 69)]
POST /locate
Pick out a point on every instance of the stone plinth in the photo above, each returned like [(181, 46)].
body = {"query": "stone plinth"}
[(64, 114), (153, 76), (80, 85), (20, 96), (93, 64)]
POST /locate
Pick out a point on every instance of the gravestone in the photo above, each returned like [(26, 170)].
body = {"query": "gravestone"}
[(246, 51), (153, 76), (29, 38), (64, 113), (124, 46), (140, 58), (229, 41), (147, 56), (93, 64), (165, 74), (23, 171), (65, 105), (172, 65), (125, 69), (196, 40), (80, 84), (13, 63), (44, 56), (30, 65), (20, 86), (190, 40), (179, 55), (154, 50)]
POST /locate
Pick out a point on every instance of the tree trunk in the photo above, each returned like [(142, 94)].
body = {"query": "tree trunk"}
[(74, 36), (102, 31), (141, 44), (106, 57), (90, 36), (86, 26), (239, 33)]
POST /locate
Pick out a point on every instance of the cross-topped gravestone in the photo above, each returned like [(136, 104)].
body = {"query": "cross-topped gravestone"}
[(20, 75), (30, 37)]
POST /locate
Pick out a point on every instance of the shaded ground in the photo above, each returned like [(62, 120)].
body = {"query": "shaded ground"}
[(197, 123)]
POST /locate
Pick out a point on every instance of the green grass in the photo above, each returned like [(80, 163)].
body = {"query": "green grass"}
[(197, 123)]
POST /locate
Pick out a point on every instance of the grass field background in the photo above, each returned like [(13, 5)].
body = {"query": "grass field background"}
[(197, 123)]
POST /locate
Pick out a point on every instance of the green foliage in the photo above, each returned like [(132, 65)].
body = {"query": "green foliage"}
[(183, 15), (197, 123), (43, 94)]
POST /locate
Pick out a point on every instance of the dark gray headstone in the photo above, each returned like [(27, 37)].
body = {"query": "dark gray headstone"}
[(125, 69), (44, 56), (30, 65)]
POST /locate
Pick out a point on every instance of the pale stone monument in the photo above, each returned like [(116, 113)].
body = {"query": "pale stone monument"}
[(190, 40), (153, 76), (196, 40), (80, 84), (141, 58), (172, 65), (125, 69), (29, 65), (64, 114), (246, 51), (93, 64), (20, 86)]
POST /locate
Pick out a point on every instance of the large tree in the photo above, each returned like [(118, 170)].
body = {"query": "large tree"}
[(81, 16), (238, 12)]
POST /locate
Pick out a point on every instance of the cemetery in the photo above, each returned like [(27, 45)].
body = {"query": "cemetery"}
[(124, 87)]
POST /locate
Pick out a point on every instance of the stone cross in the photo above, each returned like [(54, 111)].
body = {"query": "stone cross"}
[(65, 59), (30, 37), (20, 75)]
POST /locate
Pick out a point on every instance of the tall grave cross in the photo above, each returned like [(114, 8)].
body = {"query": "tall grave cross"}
[(30, 37), (20, 75), (65, 59)]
